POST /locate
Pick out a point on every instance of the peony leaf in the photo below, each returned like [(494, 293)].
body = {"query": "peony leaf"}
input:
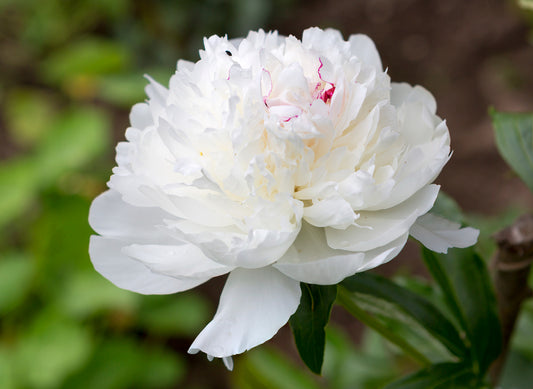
[(405, 302), (514, 138), (309, 321), (464, 279), (439, 376), (446, 207)]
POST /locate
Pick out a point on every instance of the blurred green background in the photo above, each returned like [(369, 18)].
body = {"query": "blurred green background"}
[(69, 72)]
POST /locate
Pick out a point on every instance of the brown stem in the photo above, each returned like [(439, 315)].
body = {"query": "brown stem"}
[(510, 271)]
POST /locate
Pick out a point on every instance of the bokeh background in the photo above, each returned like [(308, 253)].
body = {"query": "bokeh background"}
[(69, 72)]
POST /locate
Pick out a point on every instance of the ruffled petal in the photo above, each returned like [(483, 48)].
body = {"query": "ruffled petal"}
[(427, 138), (180, 261), (109, 260), (253, 306), (255, 248), (439, 234), (364, 48), (333, 212), (403, 93), (376, 229), (384, 254), (310, 259), (111, 216), (141, 116)]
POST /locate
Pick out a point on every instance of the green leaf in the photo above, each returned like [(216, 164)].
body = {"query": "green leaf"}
[(266, 368), (309, 321), (514, 138), (522, 341), (518, 371), (351, 302), (446, 207), (86, 293), (19, 187), (16, 271), (54, 346), (79, 135), (122, 89), (29, 114), (526, 4), (86, 57), (7, 374), (62, 223), (178, 314), (464, 279), (370, 363), (410, 303), (440, 376), (123, 363)]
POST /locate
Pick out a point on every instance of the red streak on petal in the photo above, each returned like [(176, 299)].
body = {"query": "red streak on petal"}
[(267, 96), (327, 94), (324, 95), (289, 118)]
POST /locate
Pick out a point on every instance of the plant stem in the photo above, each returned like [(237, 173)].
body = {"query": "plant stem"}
[(510, 270), (345, 298)]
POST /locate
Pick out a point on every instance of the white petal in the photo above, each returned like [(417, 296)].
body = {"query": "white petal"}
[(403, 93), (140, 116), (180, 261), (439, 234), (332, 212), (253, 306), (310, 260), (111, 216), (377, 228), (276, 226), (364, 48), (384, 254), (127, 273)]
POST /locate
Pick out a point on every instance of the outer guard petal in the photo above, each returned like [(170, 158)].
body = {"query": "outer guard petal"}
[(364, 48), (179, 260), (439, 234), (253, 306), (127, 273), (111, 216), (377, 228), (311, 260)]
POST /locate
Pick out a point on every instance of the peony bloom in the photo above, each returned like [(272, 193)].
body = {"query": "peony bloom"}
[(278, 161)]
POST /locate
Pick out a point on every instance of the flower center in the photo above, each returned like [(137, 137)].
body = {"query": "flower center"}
[(288, 106), (324, 93)]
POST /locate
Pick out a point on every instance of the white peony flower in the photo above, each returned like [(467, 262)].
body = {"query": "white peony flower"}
[(278, 161)]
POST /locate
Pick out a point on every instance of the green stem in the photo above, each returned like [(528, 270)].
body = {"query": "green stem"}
[(345, 298)]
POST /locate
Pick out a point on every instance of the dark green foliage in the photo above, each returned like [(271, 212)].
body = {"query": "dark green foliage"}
[(309, 321)]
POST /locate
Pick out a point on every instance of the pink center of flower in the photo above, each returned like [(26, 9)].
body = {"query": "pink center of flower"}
[(325, 94), (287, 110)]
